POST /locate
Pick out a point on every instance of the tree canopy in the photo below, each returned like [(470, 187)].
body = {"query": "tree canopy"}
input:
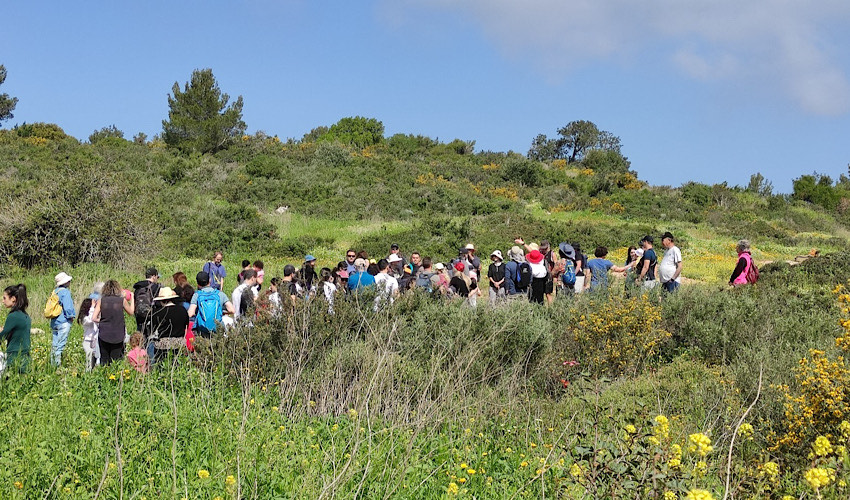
[(7, 103), (356, 131), (199, 117), (576, 139)]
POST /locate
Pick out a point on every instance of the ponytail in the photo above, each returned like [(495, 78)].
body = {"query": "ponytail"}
[(19, 292)]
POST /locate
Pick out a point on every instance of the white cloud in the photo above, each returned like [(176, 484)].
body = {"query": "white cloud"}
[(789, 44)]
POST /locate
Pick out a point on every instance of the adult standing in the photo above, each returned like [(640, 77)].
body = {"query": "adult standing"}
[(581, 265), (308, 274), (207, 306), (216, 271), (670, 268), (497, 275), (598, 269), (539, 276), (109, 315), (249, 279), (16, 330), (387, 285), (549, 261), (144, 292), (350, 257), (646, 265), (473, 259), (360, 279), (169, 323), (745, 262), (61, 325), (416, 261)]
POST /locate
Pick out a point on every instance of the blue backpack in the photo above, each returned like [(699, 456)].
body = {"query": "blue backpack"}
[(209, 311), (569, 274)]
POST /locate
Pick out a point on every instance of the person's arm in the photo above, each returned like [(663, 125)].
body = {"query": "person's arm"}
[(68, 306), (742, 264), (130, 306), (618, 269), (95, 315), (678, 269), (588, 275), (228, 307), (644, 270), (193, 309)]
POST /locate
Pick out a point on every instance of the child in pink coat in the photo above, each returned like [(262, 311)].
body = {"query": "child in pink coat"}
[(137, 357)]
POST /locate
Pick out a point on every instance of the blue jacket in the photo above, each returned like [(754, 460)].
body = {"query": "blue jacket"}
[(68, 312), (510, 275)]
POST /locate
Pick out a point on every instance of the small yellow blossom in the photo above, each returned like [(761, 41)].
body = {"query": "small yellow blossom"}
[(461, 480), (19, 485), (352, 413), (631, 429), (524, 464), (822, 446), (463, 465), (746, 431), (453, 489), (669, 495), (700, 444), (203, 473), (84, 434), (700, 468), (820, 477), (230, 480), (699, 495), (575, 471), (470, 471)]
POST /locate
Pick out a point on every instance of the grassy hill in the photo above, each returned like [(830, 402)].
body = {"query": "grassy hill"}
[(426, 399)]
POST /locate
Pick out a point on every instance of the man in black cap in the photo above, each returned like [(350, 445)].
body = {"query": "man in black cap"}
[(143, 293), (670, 268), (646, 266)]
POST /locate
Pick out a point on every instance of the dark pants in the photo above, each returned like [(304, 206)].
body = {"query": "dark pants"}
[(670, 286), (110, 352), (538, 290)]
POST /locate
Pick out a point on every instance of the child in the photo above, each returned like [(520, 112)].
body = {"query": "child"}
[(90, 344), (137, 357)]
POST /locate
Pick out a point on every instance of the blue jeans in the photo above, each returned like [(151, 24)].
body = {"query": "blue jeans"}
[(60, 339), (670, 286)]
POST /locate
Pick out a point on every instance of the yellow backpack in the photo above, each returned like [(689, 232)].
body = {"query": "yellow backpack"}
[(53, 308)]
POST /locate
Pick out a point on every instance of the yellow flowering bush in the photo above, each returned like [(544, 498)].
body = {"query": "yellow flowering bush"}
[(618, 336), (699, 495), (822, 447)]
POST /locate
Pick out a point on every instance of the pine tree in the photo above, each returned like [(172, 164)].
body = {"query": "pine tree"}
[(199, 118)]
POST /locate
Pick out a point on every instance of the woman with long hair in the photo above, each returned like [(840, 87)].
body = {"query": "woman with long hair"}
[(16, 331), (109, 316)]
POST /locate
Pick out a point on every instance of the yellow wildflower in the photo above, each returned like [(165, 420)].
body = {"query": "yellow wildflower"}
[(461, 480), (771, 470), (453, 489), (470, 471), (84, 434), (700, 444), (746, 431), (230, 480), (524, 464), (19, 485), (631, 429), (352, 413), (819, 477), (822, 446), (463, 465), (203, 473), (699, 495), (845, 429), (669, 495), (575, 471), (700, 468)]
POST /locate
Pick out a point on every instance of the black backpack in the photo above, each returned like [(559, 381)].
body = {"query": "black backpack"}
[(144, 300), (523, 275)]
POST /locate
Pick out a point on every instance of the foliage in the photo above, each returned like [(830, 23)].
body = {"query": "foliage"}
[(615, 336), (96, 218), (356, 131), (819, 190), (104, 133), (48, 131), (7, 103), (199, 117)]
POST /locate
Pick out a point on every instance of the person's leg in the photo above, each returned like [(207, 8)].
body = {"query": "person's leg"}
[(104, 352), (89, 350), (493, 295), (60, 340), (579, 286)]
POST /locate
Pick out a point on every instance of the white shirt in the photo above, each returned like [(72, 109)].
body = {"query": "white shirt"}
[(329, 289), (89, 329), (236, 298), (538, 270), (387, 287), (668, 265)]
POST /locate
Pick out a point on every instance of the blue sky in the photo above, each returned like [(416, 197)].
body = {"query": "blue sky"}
[(709, 91)]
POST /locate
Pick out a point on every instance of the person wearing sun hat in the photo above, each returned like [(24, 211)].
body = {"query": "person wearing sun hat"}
[(169, 323), (539, 276), (474, 261), (61, 325), (496, 276)]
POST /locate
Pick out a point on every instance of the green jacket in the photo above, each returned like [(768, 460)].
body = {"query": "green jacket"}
[(16, 332)]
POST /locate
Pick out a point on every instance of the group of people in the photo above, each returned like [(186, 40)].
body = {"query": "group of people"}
[(169, 318)]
